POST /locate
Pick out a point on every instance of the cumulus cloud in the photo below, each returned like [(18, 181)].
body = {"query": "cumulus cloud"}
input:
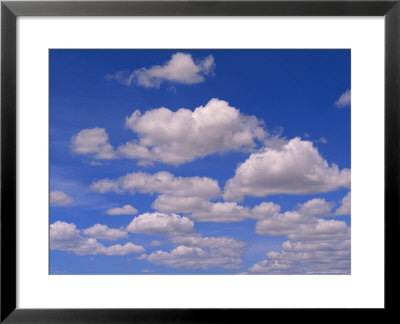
[(297, 168), (93, 141), (60, 198), (315, 245), (205, 211), (197, 252), (181, 68), (174, 204), (176, 137), (225, 212), (124, 210), (161, 182), (185, 135), (344, 100), (333, 257), (66, 237), (161, 224), (317, 207), (103, 232), (345, 207)]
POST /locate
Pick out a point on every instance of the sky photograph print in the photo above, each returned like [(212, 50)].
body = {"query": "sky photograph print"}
[(184, 161)]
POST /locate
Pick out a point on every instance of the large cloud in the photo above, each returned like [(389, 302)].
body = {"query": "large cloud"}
[(66, 237), (161, 224), (179, 69), (161, 182), (184, 135), (93, 141), (60, 198), (296, 168)]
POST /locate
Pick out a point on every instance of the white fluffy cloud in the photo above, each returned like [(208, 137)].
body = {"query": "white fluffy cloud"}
[(174, 204), (176, 137), (315, 245), (297, 168), (60, 198), (184, 135), (196, 252), (205, 211), (345, 207), (66, 237), (317, 207), (161, 182), (103, 232), (331, 257), (161, 224), (93, 141), (181, 68), (344, 100), (124, 210)]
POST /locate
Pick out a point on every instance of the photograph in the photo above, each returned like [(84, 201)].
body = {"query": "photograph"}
[(199, 161)]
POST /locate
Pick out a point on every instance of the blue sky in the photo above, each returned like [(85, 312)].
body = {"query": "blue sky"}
[(199, 161)]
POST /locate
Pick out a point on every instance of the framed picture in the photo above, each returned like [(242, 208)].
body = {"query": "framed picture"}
[(193, 161)]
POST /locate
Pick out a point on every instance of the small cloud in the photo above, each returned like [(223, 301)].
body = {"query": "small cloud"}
[(125, 210), (156, 243), (344, 100), (60, 198), (345, 207), (181, 68), (93, 141), (103, 232), (95, 163)]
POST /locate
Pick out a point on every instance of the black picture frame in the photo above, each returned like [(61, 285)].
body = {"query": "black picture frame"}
[(10, 10)]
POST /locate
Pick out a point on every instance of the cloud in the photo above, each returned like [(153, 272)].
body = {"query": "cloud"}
[(225, 212), (161, 182), (93, 141), (304, 222), (60, 198), (345, 207), (344, 100), (307, 258), (124, 210), (103, 232), (177, 137), (316, 207), (161, 224), (66, 237), (202, 210), (174, 204), (156, 243), (185, 135), (181, 68), (196, 252), (297, 168), (315, 245), (205, 211)]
